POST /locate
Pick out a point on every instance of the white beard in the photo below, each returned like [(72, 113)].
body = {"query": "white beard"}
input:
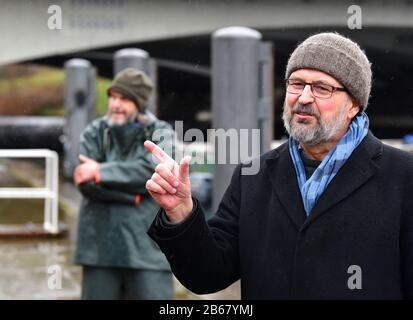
[(322, 132)]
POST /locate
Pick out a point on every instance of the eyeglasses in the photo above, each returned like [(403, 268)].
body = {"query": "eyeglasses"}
[(319, 90)]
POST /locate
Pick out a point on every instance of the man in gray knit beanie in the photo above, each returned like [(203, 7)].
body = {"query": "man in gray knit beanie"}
[(328, 215), (339, 75)]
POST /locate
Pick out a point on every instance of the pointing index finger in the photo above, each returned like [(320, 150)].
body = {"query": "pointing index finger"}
[(158, 153)]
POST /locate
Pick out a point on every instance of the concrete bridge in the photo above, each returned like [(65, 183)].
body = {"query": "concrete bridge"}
[(177, 33), (30, 28)]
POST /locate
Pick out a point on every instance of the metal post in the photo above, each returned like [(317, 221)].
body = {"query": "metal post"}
[(48, 200), (235, 95), (51, 203), (80, 92), (55, 190), (266, 95), (138, 59)]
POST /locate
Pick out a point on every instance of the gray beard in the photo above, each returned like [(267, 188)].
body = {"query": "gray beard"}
[(128, 120), (324, 131)]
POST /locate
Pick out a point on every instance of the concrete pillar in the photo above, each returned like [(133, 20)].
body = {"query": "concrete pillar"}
[(266, 95), (138, 59), (79, 100), (240, 98)]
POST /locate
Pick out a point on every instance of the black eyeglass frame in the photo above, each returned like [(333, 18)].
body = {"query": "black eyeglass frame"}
[(333, 88)]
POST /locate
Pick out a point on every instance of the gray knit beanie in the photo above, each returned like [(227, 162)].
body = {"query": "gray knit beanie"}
[(338, 56), (134, 85)]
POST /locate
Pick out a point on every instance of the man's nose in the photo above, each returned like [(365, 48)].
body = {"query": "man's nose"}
[(114, 103), (306, 96)]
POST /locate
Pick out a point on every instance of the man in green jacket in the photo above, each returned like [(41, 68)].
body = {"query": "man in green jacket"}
[(119, 260)]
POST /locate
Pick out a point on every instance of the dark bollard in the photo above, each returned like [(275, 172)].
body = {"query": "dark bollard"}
[(266, 95), (80, 92), (241, 85)]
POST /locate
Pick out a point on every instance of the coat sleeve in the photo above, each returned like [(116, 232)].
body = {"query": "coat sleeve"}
[(406, 241), (128, 176), (96, 192), (204, 256), (131, 176), (90, 146)]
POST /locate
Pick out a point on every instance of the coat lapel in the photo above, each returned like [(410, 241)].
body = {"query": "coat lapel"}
[(284, 181), (359, 168)]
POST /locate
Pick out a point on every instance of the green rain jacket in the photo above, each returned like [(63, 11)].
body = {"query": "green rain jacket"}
[(112, 225)]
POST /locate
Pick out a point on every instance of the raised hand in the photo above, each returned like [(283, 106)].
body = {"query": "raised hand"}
[(169, 186)]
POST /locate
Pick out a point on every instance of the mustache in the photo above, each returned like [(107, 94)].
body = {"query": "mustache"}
[(115, 111), (307, 109)]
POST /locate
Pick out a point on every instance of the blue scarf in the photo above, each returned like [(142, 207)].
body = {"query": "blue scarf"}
[(313, 188)]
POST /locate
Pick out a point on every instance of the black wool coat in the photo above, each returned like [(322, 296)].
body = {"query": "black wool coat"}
[(357, 243)]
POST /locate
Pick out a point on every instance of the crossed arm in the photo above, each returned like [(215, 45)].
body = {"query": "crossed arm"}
[(111, 181)]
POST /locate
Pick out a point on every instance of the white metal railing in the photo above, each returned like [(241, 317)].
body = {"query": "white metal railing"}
[(49, 192)]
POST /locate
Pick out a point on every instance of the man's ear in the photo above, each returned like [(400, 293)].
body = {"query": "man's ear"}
[(354, 108)]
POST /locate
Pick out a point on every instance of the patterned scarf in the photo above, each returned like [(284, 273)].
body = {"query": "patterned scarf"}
[(313, 188)]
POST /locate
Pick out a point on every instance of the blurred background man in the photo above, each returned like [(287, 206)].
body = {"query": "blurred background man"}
[(119, 260)]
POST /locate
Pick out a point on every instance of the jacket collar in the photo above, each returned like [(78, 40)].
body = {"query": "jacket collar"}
[(357, 170), (129, 133)]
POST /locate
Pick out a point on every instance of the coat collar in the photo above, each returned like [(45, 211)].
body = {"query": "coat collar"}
[(357, 170)]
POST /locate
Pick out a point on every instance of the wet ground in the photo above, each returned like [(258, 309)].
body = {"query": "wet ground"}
[(32, 268), (38, 269), (42, 268)]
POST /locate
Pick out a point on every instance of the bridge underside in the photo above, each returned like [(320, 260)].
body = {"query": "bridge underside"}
[(184, 93)]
